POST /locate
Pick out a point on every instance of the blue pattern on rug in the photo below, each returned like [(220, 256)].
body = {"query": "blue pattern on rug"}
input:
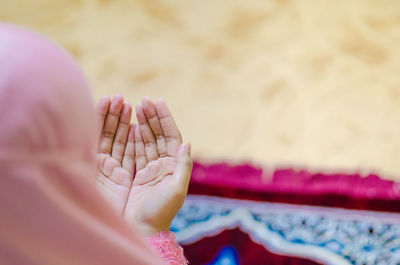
[(227, 256), (333, 236)]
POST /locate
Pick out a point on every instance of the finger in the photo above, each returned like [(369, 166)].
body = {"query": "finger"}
[(111, 124), (128, 162), (184, 167), (121, 137), (147, 134), (169, 128), (150, 112), (101, 109), (140, 152)]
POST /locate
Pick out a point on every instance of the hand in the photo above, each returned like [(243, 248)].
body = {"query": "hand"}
[(116, 151), (163, 166)]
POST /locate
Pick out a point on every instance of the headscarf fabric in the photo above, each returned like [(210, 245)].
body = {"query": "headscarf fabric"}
[(50, 210)]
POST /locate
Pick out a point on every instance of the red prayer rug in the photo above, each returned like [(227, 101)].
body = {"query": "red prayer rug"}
[(242, 215)]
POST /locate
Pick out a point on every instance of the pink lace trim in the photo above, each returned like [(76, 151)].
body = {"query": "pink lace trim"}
[(165, 244)]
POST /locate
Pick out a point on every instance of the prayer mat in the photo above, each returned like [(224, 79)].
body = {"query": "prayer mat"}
[(245, 215)]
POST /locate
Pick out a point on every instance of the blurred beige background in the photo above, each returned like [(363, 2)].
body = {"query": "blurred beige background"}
[(288, 82)]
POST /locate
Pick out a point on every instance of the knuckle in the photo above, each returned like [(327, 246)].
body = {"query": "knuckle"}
[(109, 134), (119, 141)]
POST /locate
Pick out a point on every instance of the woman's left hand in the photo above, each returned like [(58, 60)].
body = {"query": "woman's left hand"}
[(163, 166)]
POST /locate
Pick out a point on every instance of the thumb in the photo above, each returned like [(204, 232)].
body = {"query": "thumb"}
[(184, 165)]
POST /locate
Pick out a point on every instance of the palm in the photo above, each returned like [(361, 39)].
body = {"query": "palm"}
[(115, 158), (155, 173), (156, 178), (112, 181)]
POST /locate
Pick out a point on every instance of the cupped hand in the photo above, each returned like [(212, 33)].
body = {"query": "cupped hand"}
[(116, 150), (163, 169)]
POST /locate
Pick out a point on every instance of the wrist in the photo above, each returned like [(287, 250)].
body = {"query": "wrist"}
[(149, 230)]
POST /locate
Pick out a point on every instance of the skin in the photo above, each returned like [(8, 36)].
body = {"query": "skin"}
[(149, 199), (116, 151)]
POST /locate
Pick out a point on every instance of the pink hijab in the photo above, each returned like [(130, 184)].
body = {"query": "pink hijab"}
[(50, 211)]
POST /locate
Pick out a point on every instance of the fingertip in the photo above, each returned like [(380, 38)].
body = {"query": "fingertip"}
[(149, 108), (145, 102), (188, 148), (138, 106), (103, 104), (141, 117), (116, 103), (184, 148), (126, 112), (118, 98), (162, 108), (128, 107), (181, 149), (160, 101)]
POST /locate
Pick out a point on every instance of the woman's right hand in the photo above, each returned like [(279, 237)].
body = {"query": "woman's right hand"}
[(116, 151)]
